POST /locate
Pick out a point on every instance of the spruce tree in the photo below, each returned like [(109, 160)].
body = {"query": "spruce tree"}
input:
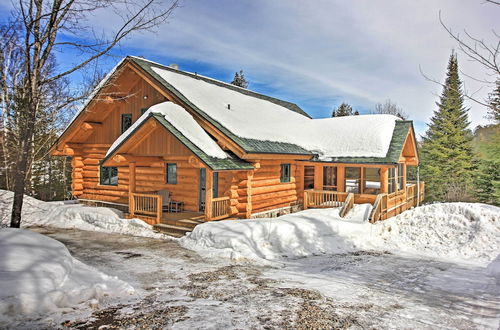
[(446, 151), (240, 80), (344, 110), (494, 103)]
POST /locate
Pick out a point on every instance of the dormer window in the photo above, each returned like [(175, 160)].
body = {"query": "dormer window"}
[(126, 121)]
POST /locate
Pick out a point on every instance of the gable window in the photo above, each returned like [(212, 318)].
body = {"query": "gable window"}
[(308, 177), (371, 180), (108, 176), (285, 173), (171, 176), (215, 190), (126, 121), (352, 179), (330, 178)]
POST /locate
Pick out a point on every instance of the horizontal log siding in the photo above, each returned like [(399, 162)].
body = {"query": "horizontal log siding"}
[(267, 192)]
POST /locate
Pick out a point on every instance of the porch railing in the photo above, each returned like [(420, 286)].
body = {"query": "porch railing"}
[(323, 199), (220, 208), (348, 205), (149, 205), (387, 205)]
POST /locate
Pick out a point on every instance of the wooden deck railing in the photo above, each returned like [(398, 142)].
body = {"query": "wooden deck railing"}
[(323, 198), (149, 205), (388, 205), (348, 205), (220, 208)]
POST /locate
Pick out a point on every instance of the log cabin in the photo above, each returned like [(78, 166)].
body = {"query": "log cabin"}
[(176, 149)]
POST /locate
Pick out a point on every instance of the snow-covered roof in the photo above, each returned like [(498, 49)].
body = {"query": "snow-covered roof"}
[(182, 121), (259, 119)]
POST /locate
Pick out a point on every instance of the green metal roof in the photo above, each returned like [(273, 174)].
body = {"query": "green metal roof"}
[(395, 147), (216, 164), (249, 145)]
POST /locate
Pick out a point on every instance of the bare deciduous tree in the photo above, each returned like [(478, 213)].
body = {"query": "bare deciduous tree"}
[(390, 108), (44, 23)]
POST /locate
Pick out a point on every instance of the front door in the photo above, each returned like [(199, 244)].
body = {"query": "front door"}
[(203, 185)]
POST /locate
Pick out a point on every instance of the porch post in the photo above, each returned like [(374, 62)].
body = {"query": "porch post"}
[(318, 177), (131, 187), (384, 180), (209, 194), (341, 178)]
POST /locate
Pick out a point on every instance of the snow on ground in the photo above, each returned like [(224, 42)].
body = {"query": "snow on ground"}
[(38, 275), (462, 231), (73, 216), (256, 118)]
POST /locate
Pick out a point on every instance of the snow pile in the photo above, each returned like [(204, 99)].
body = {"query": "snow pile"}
[(182, 121), (39, 275), (463, 231), (74, 216), (493, 269), (255, 118)]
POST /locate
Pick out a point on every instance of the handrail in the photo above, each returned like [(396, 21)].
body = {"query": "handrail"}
[(348, 205), (377, 209)]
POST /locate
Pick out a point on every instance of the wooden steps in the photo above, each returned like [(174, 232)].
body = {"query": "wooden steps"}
[(178, 228)]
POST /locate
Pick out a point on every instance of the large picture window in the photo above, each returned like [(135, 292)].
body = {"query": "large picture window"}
[(352, 179), (108, 176), (371, 180), (308, 177), (330, 178), (171, 177), (285, 173), (391, 185), (126, 121), (401, 173)]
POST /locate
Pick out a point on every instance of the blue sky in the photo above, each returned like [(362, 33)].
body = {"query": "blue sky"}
[(319, 53)]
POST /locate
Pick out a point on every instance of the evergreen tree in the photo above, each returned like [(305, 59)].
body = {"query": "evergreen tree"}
[(446, 151), (494, 102), (344, 110), (239, 80), (487, 182)]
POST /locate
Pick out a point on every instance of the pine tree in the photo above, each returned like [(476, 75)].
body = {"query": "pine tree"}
[(239, 80), (494, 103), (344, 110), (487, 182), (446, 151)]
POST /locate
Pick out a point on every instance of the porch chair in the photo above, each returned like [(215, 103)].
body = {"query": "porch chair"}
[(165, 194)]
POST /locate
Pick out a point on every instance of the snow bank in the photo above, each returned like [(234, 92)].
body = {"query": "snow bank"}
[(39, 275), (461, 231), (255, 118), (493, 269), (73, 216), (182, 121)]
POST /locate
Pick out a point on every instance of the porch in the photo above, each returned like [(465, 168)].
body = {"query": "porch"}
[(385, 205)]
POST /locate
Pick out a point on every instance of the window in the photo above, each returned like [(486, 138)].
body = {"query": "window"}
[(285, 173), (126, 121), (330, 178), (391, 185), (215, 190), (401, 171), (171, 176), (308, 177), (109, 176), (352, 179), (371, 180), (143, 111)]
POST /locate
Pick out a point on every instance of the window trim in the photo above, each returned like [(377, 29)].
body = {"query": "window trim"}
[(167, 166), (125, 115), (102, 175), (285, 173)]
